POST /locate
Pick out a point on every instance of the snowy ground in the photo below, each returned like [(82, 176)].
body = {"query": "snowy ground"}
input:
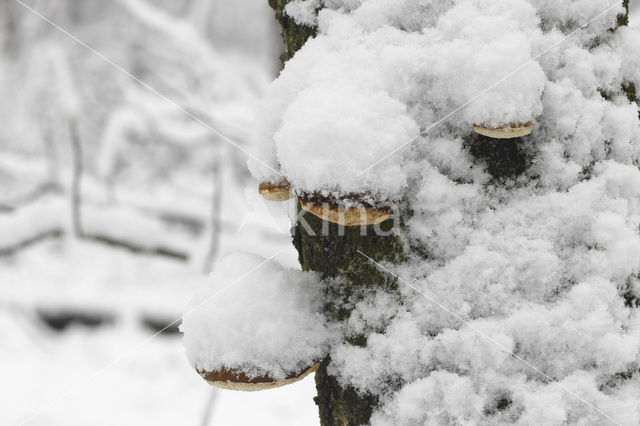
[(77, 317), (50, 379), (111, 373), (103, 368)]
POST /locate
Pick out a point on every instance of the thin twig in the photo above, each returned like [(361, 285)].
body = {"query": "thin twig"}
[(76, 182), (209, 407), (215, 225)]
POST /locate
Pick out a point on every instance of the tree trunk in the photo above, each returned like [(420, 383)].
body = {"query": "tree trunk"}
[(293, 35), (624, 18), (334, 251)]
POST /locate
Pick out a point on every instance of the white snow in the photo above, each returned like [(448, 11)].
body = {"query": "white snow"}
[(57, 373), (510, 309), (463, 63), (257, 317), (535, 267)]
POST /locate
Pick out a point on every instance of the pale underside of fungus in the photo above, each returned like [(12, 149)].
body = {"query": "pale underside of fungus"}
[(276, 191), (360, 215), (508, 131), (238, 380)]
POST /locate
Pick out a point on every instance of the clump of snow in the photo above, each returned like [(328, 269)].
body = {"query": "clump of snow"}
[(303, 12), (540, 275), (629, 43), (257, 317), (441, 398), (356, 128), (570, 15), (362, 89)]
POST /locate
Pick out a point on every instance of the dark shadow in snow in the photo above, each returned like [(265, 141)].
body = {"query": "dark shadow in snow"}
[(61, 320), (162, 326)]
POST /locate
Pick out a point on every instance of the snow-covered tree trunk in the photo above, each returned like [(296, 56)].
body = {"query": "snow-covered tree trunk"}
[(293, 35), (336, 254), (333, 251)]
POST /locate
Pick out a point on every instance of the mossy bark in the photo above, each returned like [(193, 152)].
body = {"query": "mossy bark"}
[(503, 158), (629, 88), (623, 19), (335, 252), (293, 35)]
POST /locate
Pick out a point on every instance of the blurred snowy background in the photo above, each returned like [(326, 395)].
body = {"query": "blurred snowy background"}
[(116, 197)]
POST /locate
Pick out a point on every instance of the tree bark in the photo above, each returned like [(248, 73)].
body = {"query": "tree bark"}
[(293, 35), (624, 18), (334, 251)]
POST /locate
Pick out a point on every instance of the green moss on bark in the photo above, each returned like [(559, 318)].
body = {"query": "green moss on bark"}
[(339, 406), (624, 18), (335, 252), (293, 35)]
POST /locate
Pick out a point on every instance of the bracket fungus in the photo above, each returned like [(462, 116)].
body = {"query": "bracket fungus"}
[(237, 380), (508, 131), (349, 211), (256, 330), (276, 191)]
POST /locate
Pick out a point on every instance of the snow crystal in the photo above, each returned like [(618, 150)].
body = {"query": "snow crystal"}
[(303, 12), (442, 398), (257, 317)]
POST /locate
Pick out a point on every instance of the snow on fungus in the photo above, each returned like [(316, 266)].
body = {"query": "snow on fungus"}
[(256, 325)]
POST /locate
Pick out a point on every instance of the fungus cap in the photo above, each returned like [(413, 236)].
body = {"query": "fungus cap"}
[(276, 191), (231, 379), (359, 215), (508, 131)]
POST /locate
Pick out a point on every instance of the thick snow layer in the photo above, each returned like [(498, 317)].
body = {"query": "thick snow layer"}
[(516, 301), (540, 274), (256, 317), (154, 382), (379, 72)]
